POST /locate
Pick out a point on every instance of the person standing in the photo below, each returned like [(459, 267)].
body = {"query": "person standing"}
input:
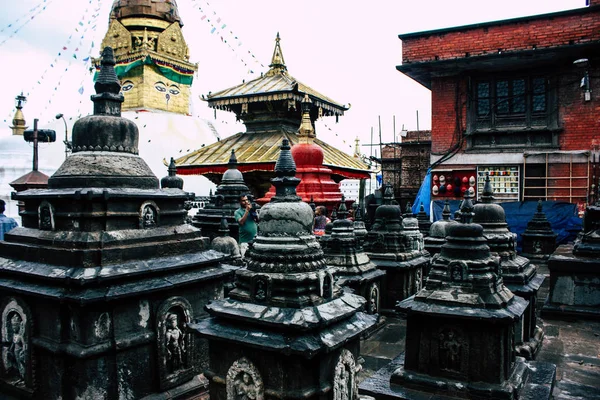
[(247, 220), (6, 223), (320, 221)]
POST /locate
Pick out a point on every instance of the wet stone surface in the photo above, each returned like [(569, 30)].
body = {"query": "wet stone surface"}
[(573, 345)]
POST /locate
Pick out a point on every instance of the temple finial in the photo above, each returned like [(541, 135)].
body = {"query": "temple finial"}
[(107, 100), (277, 62), (488, 192), (342, 210), (232, 160), (306, 132), (285, 180)]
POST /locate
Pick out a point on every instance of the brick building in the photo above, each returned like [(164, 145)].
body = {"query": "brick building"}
[(518, 99), (405, 163)]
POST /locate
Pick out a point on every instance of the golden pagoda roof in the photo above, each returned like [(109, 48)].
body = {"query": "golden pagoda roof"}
[(275, 84), (259, 152)]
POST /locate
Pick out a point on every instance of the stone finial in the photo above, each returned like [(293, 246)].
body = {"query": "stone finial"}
[(388, 194), (466, 209), (408, 210), (285, 181), (446, 212), (342, 210), (107, 100), (233, 163), (488, 192), (172, 180)]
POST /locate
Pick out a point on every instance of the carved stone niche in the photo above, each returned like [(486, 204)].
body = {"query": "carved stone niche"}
[(149, 215), (243, 381), (16, 328), (261, 288), (174, 343), (345, 384), (46, 216), (373, 299), (327, 285)]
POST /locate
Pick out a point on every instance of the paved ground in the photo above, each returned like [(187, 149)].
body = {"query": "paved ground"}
[(573, 345)]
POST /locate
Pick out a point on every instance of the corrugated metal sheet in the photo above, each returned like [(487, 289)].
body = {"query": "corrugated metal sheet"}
[(262, 148)]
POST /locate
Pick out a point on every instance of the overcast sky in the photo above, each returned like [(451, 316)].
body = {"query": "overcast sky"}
[(345, 49)]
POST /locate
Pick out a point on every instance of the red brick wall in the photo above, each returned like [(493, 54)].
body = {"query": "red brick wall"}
[(519, 35), (446, 124), (580, 119)]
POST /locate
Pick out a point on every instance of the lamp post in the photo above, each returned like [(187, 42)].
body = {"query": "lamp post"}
[(66, 142)]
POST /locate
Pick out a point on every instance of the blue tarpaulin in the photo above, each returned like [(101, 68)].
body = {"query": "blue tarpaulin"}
[(561, 215), (424, 195)]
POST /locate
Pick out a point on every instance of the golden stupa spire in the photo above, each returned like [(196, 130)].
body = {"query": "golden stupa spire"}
[(306, 132), (277, 63), (19, 120)]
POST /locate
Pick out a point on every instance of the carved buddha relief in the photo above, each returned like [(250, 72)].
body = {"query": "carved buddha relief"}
[(175, 345), (261, 288), (16, 349), (373, 299), (345, 386), (149, 215), (46, 216), (451, 349), (243, 381)]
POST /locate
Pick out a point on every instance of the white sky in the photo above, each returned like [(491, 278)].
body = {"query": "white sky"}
[(345, 49)]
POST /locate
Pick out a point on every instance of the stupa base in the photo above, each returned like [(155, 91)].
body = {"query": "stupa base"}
[(529, 350), (529, 380)]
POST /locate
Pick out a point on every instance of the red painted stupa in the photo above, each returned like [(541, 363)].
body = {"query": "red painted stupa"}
[(316, 183)]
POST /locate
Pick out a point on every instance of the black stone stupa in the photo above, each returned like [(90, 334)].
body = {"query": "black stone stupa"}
[(100, 281), (225, 200), (539, 240), (351, 266), (287, 330), (519, 274), (460, 331), (575, 273), (395, 245)]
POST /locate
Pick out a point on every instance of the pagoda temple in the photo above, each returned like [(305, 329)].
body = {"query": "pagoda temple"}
[(270, 108), (316, 184)]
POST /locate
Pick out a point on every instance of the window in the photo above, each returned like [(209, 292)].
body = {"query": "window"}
[(512, 112), (516, 102)]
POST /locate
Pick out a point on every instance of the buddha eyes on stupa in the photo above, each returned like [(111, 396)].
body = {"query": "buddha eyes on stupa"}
[(127, 86), (160, 87), (174, 90)]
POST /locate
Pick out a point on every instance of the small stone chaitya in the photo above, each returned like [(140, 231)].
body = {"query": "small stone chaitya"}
[(519, 274), (395, 246), (539, 240), (350, 264), (286, 330), (460, 330)]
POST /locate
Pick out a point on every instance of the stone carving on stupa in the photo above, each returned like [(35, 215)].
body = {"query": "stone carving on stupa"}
[(174, 343), (460, 330), (350, 264), (106, 266), (395, 246), (520, 275), (539, 240), (17, 355), (286, 310), (225, 201), (575, 271)]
